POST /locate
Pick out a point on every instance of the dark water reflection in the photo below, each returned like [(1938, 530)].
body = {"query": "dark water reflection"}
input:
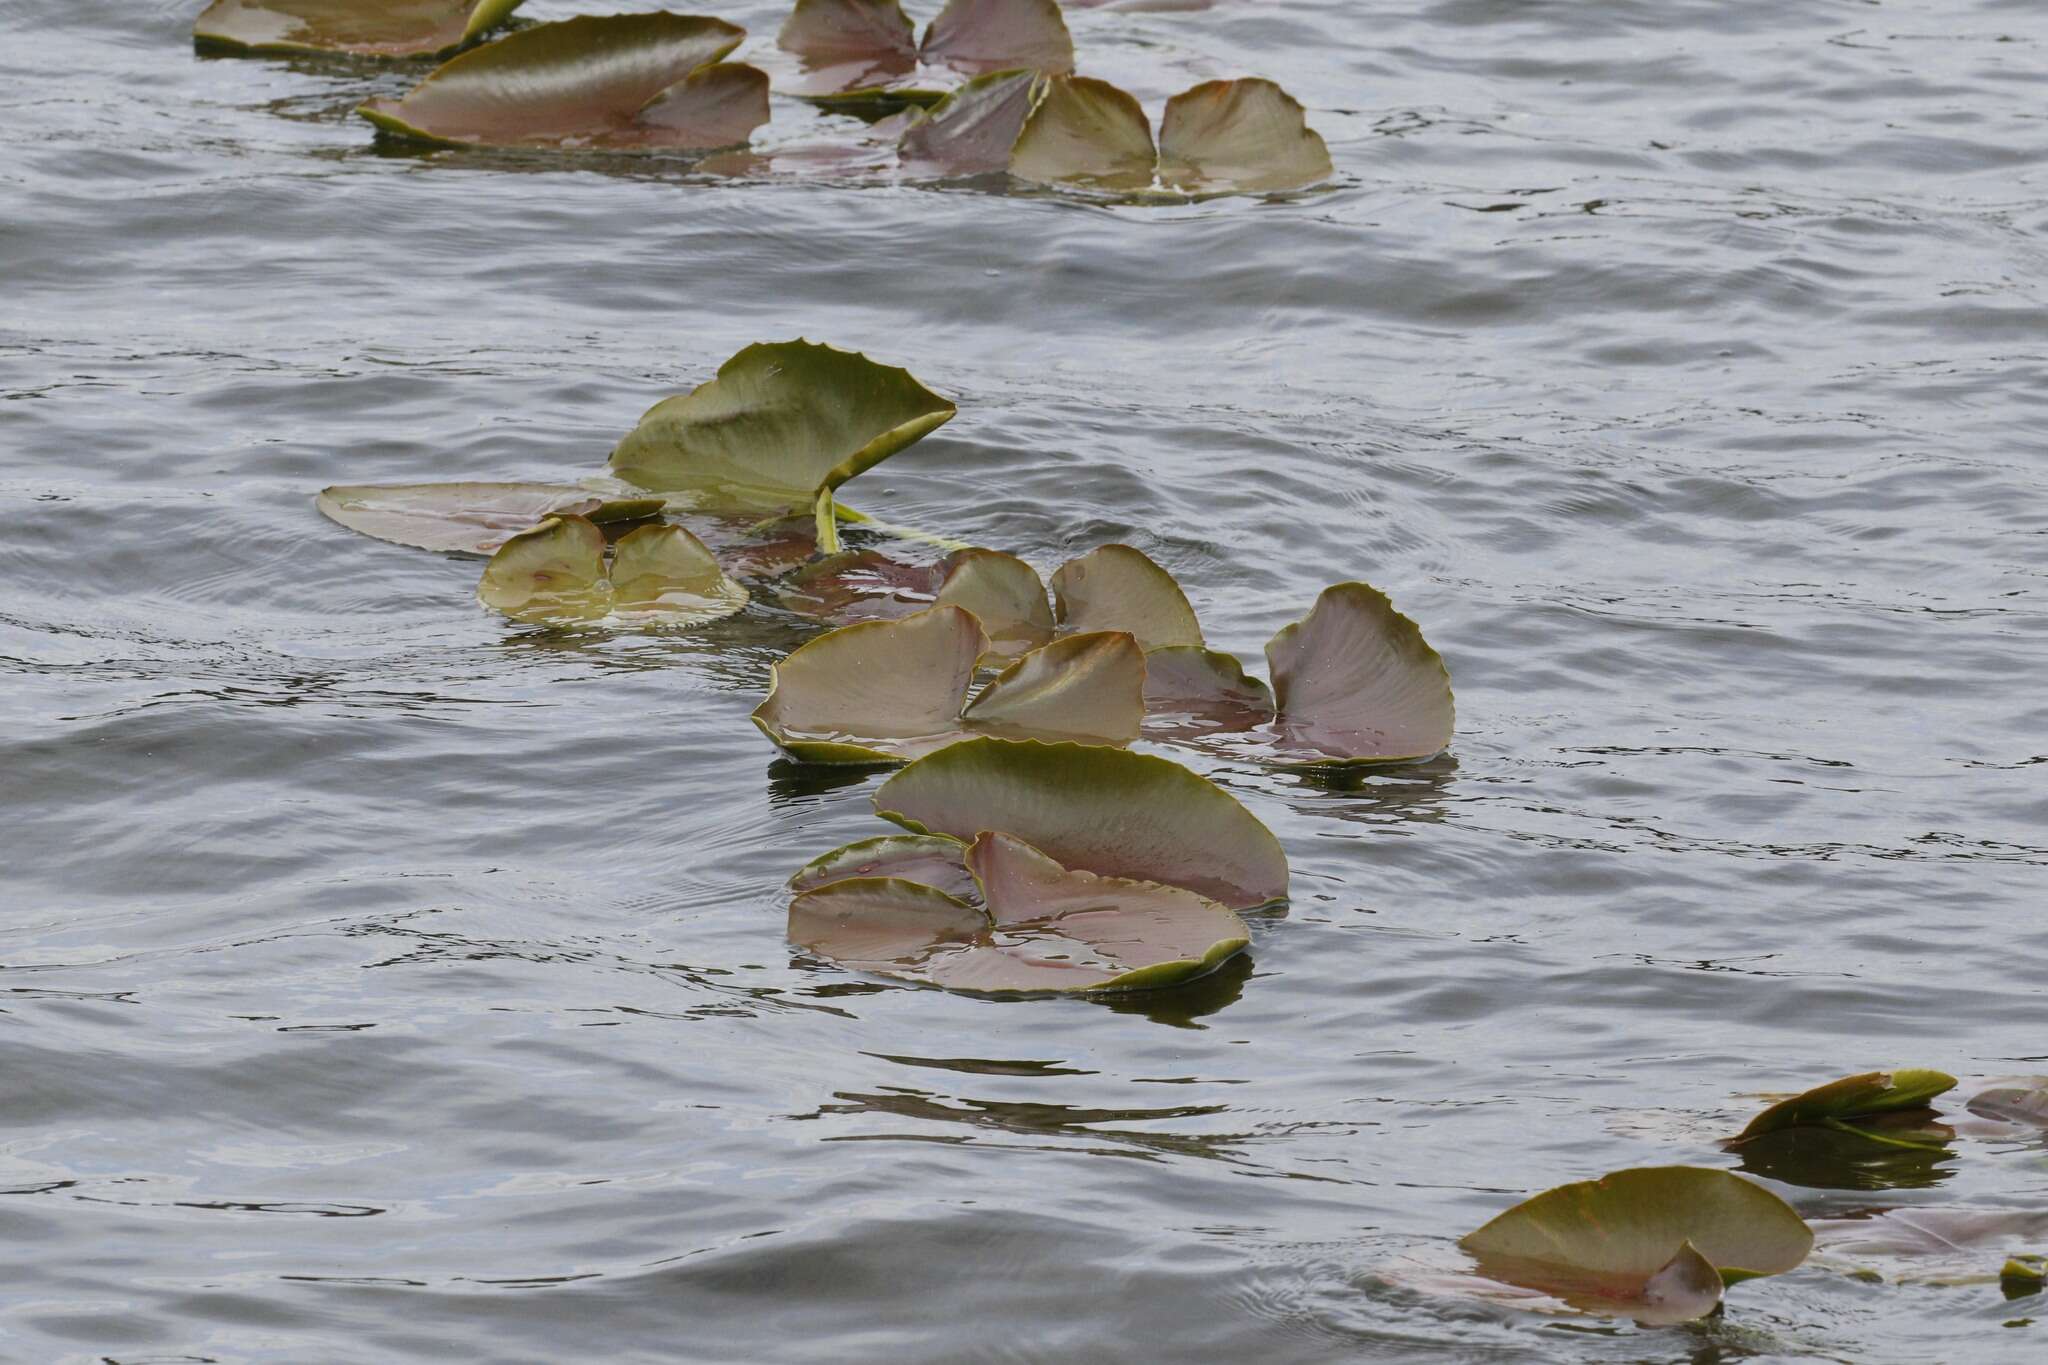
[(381, 981)]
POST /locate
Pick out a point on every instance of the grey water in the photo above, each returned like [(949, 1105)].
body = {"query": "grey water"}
[(380, 980)]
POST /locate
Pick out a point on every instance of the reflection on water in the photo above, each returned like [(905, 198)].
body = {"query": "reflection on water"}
[(1883, 1152)]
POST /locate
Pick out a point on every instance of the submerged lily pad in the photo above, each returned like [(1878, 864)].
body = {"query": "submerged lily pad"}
[(1041, 927), (1243, 136), (781, 425), (555, 574), (1850, 1098), (1638, 1243), (619, 82), (380, 28), (928, 859), (469, 518), (2025, 1102), (1929, 1245), (887, 691), (862, 50), (1097, 809)]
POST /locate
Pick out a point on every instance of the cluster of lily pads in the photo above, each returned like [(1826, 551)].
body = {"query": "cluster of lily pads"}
[(1660, 1244), (989, 87)]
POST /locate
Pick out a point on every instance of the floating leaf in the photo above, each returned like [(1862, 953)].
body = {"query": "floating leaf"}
[(1086, 132), (619, 82), (1005, 594), (1355, 683), (2025, 1102), (1045, 928), (1002, 591), (1245, 135), (1632, 1243), (885, 691), (861, 50), (1191, 691), (555, 574), (1929, 1245), (1097, 809), (387, 28), (2022, 1275), (928, 859), (971, 130), (780, 425), (469, 518), (1904, 1151), (1852, 1097), (1115, 587)]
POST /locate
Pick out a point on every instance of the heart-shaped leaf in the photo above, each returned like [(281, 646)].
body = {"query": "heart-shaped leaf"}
[(1851, 1098), (1354, 682), (386, 28), (619, 82), (928, 859), (555, 574), (862, 50), (1044, 928), (1115, 587), (886, 691), (469, 518), (1619, 1244), (1246, 135), (782, 424), (1097, 809), (1086, 132)]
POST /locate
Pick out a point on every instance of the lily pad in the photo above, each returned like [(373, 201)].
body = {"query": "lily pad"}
[(1191, 691), (1242, 136), (887, 691), (2023, 1103), (555, 574), (2025, 1274), (1042, 928), (1354, 682), (1116, 587), (1850, 1098), (387, 28), (971, 130), (863, 50), (1096, 809), (1633, 1243), (469, 518), (1902, 1151), (1933, 1246), (1004, 593), (928, 859), (618, 82), (780, 427)]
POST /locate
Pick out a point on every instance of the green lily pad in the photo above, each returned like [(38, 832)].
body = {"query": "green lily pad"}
[(1851, 1098), (1631, 1244), (1931, 1246), (928, 859), (388, 28), (1354, 682), (888, 691), (469, 518), (2024, 1103), (781, 425), (1903, 1151), (2022, 1275), (618, 82), (1043, 928), (1005, 594), (1244, 136), (555, 574), (1097, 809), (1115, 587), (865, 50)]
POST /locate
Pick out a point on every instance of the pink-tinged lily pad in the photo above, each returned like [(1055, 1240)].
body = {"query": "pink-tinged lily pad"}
[(1005, 594), (1097, 809), (470, 518), (1640, 1243), (1042, 928), (1191, 692), (971, 130), (1354, 682), (619, 82), (865, 50), (1222, 137), (928, 859), (2019, 1102), (887, 691), (556, 574), (361, 28), (1115, 587), (1933, 1246), (1867, 1095)]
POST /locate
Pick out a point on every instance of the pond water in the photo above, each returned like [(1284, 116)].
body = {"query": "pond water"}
[(379, 979)]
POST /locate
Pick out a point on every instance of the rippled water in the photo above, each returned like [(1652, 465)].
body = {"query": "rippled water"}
[(384, 981)]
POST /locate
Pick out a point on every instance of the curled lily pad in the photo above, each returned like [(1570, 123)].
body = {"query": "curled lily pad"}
[(1116, 587), (928, 859), (1354, 682), (556, 574), (1850, 1098), (1005, 594), (618, 82), (1042, 927), (1243, 136), (1097, 809), (2025, 1102), (386, 28), (1191, 691), (470, 518), (1902, 1151), (971, 130), (860, 50), (886, 691), (780, 427), (1929, 1245), (1633, 1243)]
